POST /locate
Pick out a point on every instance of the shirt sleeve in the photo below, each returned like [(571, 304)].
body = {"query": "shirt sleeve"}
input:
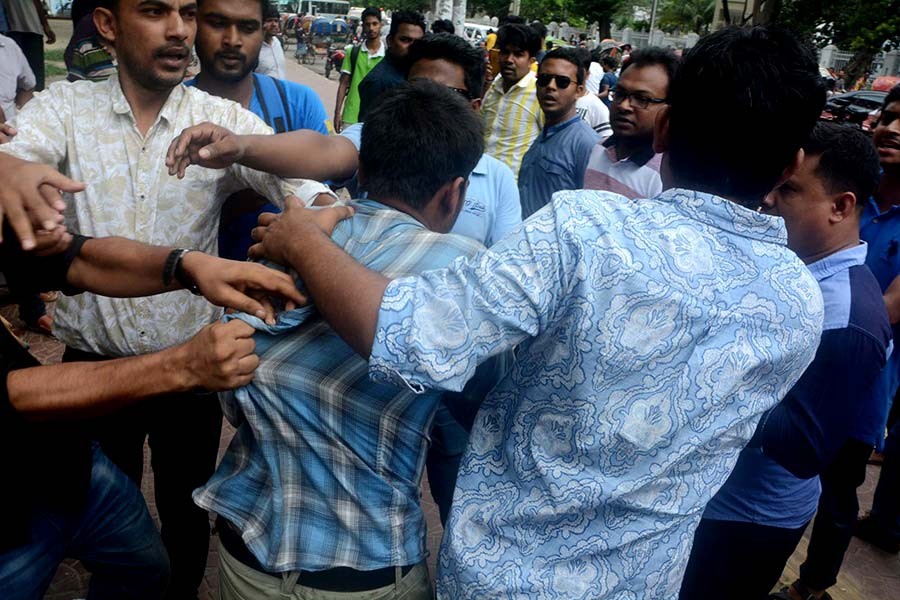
[(345, 66), (804, 432), (310, 113), (42, 127), (275, 188), (25, 80), (434, 329), (508, 210)]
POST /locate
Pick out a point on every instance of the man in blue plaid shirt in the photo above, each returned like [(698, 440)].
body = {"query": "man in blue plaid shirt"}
[(320, 486)]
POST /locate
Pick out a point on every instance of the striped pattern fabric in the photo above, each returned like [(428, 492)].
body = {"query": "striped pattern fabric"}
[(324, 469), (512, 121)]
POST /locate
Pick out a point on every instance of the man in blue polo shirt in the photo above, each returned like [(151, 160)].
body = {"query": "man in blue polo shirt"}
[(229, 38), (559, 156), (753, 524)]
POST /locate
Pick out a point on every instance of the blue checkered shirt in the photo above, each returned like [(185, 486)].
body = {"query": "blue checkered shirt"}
[(325, 467)]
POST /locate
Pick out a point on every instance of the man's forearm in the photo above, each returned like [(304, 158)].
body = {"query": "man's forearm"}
[(87, 389), (23, 96), (345, 292), (301, 154), (120, 268)]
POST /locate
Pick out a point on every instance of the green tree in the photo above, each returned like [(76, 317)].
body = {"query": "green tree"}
[(686, 15), (493, 8), (601, 11), (417, 5)]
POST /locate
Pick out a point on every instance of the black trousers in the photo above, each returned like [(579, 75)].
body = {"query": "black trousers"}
[(736, 560), (32, 45), (836, 516), (184, 432)]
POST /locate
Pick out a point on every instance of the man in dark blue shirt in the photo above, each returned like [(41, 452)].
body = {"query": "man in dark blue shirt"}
[(559, 156), (406, 27), (754, 522)]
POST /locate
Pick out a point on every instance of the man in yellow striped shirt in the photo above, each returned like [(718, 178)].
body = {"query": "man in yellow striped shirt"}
[(512, 115)]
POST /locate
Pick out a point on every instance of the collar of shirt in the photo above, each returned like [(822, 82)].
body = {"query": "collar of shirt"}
[(121, 106), (640, 158), (380, 52), (873, 210), (726, 215), (4, 40), (839, 261), (481, 168), (551, 130), (524, 83)]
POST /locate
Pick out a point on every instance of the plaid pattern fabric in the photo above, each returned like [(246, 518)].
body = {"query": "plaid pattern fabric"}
[(325, 467)]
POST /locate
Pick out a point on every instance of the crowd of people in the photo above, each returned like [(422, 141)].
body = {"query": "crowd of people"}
[(636, 354)]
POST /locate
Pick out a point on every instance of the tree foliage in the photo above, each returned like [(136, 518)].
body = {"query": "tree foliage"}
[(417, 5), (686, 15)]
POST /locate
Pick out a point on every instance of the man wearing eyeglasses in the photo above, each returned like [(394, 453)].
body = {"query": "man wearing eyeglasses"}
[(559, 156), (626, 163)]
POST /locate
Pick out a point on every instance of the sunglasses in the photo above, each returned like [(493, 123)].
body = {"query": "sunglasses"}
[(562, 81)]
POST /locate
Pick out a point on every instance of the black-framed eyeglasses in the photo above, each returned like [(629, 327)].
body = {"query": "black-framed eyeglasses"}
[(562, 81), (638, 100)]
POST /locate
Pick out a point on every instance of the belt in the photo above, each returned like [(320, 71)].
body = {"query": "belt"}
[(336, 579)]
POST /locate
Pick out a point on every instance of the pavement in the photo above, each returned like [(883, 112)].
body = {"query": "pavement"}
[(867, 574)]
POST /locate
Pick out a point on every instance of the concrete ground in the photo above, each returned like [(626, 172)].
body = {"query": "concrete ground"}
[(868, 573)]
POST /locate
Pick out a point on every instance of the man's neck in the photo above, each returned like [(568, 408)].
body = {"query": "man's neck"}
[(551, 120), (507, 84), (833, 247), (374, 44), (145, 103), (238, 91), (888, 192), (405, 208), (627, 147)]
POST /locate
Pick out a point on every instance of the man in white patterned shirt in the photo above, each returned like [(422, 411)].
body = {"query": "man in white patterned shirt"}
[(113, 136)]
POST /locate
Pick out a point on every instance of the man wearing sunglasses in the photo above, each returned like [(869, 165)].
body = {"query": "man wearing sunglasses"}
[(559, 156), (626, 163)]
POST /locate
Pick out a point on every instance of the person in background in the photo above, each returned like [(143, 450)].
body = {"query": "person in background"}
[(359, 60), (559, 156), (28, 26), (541, 30), (609, 80), (86, 55), (753, 524), (406, 27), (512, 115), (271, 54), (590, 107), (443, 26), (627, 163)]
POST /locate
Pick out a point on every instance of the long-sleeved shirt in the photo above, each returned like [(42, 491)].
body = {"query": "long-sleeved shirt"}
[(775, 481), (87, 130), (653, 335), (325, 467)]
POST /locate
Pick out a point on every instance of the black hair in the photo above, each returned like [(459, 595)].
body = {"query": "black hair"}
[(372, 11), (270, 11), (406, 17), (512, 20), (443, 26), (264, 7), (609, 61), (521, 36), (585, 56), (570, 55), (848, 160), (549, 45), (743, 102), (456, 50), (421, 136), (540, 29), (654, 56), (893, 96)]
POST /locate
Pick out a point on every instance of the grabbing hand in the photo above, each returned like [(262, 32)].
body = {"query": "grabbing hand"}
[(30, 197), (7, 133), (239, 285), (220, 357), (279, 234), (207, 145)]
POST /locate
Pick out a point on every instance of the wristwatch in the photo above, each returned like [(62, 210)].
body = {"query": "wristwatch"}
[(174, 269)]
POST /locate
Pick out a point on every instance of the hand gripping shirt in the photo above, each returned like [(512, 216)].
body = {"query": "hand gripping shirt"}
[(653, 336), (87, 130), (324, 470)]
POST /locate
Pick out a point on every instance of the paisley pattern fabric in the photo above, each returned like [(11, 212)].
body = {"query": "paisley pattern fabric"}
[(653, 336), (88, 131)]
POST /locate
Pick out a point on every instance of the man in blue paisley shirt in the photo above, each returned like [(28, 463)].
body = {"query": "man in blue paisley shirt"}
[(652, 336)]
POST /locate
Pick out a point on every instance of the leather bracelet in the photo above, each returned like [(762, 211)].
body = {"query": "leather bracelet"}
[(173, 270)]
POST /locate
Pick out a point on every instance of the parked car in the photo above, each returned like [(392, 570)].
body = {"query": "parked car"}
[(857, 108)]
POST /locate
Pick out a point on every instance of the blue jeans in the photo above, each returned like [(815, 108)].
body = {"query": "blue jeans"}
[(113, 536)]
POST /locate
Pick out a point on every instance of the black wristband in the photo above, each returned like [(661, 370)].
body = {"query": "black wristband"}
[(182, 277), (173, 271)]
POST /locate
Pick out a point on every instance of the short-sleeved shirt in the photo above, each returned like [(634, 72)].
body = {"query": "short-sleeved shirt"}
[(384, 76), (881, 231), (634, 177), (821, 409), (271, 59), (652, 336), (492, 208), (591, 108), (15, 75), (512, 120), (609, 80), (365, 62), (556, 161), (23, 16), (595, 74)]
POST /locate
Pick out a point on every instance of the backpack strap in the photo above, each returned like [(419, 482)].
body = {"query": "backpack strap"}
[(284, 104), (354, 56), (277, 117)]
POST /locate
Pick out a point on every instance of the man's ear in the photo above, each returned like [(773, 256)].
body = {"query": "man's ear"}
[(791, 168), (843, 207), (105, 22), (661, 130), (451, 198), (476, 104)]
